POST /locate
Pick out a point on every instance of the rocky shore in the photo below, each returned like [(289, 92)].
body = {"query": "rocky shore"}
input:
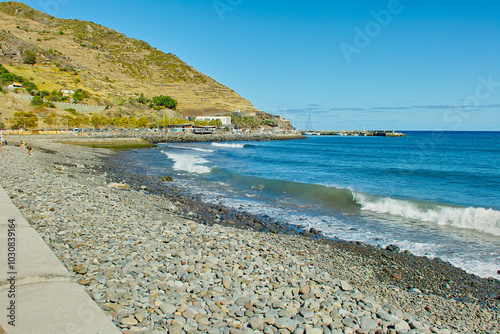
[(159, 261)]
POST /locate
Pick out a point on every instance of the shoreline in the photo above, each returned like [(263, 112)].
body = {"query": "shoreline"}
[(463, 284), (372, 271)]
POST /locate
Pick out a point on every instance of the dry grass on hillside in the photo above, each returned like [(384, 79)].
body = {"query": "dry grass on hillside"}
[(115, 69)]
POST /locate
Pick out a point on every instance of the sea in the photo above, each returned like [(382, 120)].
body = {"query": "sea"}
[(435, 194)]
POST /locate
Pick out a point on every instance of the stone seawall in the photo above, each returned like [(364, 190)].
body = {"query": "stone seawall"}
[(189, 138)]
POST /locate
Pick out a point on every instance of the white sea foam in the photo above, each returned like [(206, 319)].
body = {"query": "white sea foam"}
[(480, 219), (229, 145), (188, 163), (191, 148)]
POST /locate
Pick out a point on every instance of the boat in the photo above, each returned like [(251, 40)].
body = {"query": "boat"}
[(310, 131)]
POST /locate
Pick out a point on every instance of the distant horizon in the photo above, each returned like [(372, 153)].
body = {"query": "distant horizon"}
[(393, 63)]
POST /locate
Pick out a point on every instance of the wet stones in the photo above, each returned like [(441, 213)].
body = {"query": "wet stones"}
[(393, 248)]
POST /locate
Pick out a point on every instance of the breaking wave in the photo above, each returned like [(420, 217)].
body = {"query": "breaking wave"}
[(480, 219), (188, 163), (229, 145), (191, 148)]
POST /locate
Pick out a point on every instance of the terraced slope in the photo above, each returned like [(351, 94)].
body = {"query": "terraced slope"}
[(114, 68)]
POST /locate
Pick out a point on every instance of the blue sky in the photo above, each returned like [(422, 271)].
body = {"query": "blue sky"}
[(404, 65)]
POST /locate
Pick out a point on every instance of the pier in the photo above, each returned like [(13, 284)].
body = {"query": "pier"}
[(357, 133)]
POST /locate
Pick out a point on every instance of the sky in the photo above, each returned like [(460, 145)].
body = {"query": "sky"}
[(393, 64)]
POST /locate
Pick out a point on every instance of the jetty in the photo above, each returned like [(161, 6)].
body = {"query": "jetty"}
[(358, 133)]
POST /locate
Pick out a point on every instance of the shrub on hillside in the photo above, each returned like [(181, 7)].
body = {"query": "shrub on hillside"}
[(29, 57), (29, 86), (80, 94), (55, 96), (7, 78), (142, 100), (72, 111), (37, 101)]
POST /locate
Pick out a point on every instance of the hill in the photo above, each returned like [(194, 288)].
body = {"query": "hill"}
[(116, 71)]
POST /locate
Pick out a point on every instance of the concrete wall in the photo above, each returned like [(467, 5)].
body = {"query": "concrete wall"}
[(81, 108), (37, 293)]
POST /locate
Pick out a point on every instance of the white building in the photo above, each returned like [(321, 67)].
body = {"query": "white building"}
[(15, 85)]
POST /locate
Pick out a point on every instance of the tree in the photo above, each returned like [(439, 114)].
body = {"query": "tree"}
[(165, 101), (216, 122), (142, 122), (119, 121), (78, 121), (98, 121), (29, 57), (25, 120), (132, 122), (50, 119)]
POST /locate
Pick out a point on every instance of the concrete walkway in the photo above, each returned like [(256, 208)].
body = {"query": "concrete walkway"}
[(37, 293)]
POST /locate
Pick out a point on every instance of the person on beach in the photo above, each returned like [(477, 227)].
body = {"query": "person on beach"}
[(30, 150), (23, 144)]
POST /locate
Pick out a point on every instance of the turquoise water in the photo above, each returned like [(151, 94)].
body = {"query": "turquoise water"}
[(433, 193)]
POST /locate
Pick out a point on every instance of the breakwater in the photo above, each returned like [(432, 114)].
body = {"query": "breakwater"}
[(192, 138), (356, 133)]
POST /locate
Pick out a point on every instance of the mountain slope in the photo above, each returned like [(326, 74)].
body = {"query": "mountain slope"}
[(114, 68)]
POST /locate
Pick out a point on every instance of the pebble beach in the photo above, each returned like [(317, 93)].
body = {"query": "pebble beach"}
[(158, 261)]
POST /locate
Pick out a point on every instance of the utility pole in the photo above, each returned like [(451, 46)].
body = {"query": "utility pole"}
[(163, 122)]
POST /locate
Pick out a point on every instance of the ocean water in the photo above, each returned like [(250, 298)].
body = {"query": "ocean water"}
[(435, 194)]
